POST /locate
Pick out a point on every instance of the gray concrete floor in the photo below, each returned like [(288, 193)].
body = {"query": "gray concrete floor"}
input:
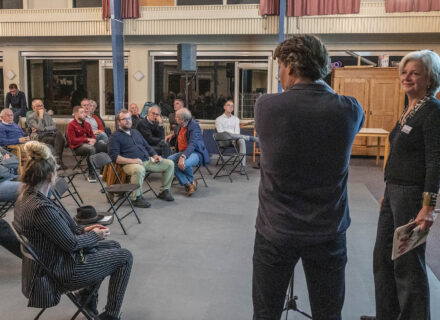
[(193, 257)]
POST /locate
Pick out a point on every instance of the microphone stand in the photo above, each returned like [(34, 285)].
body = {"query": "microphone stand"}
[(290, 303)]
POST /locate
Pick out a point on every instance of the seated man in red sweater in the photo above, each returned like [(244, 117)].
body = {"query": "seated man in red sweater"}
[(82, 140)]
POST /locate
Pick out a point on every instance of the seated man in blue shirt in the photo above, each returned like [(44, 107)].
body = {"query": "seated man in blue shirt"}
[(127, 147), (10, 132), (191, 150)]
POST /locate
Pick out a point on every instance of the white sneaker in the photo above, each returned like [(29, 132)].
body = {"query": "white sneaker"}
[(91, 178)]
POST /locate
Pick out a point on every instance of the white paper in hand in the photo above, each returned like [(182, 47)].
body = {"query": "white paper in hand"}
[(406, 238)]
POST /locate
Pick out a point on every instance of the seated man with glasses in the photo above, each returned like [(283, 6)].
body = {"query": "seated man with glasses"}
[(44, 130), (10, 132), (127, 147), (153, 131)]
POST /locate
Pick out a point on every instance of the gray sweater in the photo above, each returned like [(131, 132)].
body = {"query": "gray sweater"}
[(41, 124)]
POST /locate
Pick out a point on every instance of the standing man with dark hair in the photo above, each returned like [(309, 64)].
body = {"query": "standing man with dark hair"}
[(17, 100), (306, 134)]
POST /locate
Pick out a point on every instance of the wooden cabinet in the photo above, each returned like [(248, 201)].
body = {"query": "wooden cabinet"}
[(379, 92)]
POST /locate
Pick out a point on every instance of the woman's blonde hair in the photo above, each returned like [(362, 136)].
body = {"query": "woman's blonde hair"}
[(40, 164)]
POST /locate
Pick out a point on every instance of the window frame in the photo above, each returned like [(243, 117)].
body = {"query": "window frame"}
[(263, 56)]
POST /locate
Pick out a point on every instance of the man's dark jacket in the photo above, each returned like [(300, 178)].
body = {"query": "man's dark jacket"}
[(306, 134), (195, 142), (18, 102), (151, 131)]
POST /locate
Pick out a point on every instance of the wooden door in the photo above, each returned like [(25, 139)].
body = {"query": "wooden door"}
[(384, 103), (358, 88)]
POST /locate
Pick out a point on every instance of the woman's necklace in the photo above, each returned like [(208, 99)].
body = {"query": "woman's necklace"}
[(406, 116)]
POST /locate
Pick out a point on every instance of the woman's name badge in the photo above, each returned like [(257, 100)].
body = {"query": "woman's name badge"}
[(406, 129)]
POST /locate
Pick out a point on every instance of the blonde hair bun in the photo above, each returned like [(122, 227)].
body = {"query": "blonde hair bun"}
[(37, 150)]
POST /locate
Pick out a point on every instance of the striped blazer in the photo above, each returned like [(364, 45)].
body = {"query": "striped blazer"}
[(56, 239)]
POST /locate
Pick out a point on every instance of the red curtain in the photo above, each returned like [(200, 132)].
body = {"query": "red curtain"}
[(269, 7), (411, 5), (298, 8), (105, 9), (129, 9)]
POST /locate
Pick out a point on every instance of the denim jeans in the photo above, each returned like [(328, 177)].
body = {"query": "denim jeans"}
[(402, 289), (324, 267), (185, 176), (9, 192)]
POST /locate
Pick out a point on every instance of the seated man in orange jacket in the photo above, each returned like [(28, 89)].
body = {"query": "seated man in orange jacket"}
[(82, 140)]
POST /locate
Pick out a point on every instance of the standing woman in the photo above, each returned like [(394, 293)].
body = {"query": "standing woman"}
[(77, 256), (412, 181)]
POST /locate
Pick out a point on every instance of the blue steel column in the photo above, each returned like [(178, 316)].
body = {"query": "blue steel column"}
[(117, 27), (281, 30)]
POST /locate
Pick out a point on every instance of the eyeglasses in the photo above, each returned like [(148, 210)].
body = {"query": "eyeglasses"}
[(230, 105), (39, 105), (125, 119), (155, 114)]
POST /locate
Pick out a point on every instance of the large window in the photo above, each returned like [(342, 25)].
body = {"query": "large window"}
[(11, 4), (216, 79), (63, 83), (87, 3), (207, 89)]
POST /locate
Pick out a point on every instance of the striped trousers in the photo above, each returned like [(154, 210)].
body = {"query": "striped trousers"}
[(108, 260)]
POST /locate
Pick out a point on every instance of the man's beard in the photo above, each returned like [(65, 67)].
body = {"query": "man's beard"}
[(125, 127)]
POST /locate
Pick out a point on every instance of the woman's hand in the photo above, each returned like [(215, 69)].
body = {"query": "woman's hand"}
[(93, 226), (101, 231), (425, 218)]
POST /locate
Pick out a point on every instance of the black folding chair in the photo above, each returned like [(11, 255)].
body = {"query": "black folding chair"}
[(229, 156), (69, 175), (83, 167), (60, 189), (30, 253), (148, 183), (123, 191), (4, 207), (198, 169)]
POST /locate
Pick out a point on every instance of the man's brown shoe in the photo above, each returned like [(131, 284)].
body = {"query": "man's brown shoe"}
[(191, 189), (195, 183)]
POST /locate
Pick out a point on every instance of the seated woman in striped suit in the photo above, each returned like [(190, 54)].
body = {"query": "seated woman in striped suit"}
[(79, 257)]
